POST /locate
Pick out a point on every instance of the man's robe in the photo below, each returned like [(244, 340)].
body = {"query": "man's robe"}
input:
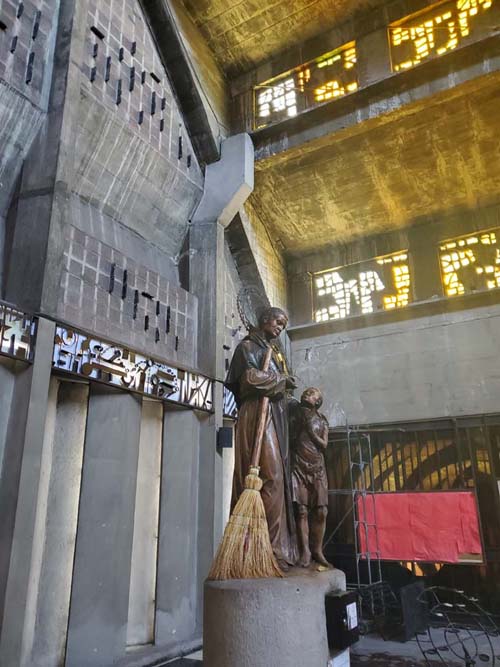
[(249, 383)]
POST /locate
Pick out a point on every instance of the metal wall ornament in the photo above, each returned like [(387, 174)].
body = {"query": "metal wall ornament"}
[(230, 409), (84, 355), (17, 333)]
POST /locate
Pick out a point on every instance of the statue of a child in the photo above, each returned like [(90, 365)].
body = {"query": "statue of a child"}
[(309, 437)]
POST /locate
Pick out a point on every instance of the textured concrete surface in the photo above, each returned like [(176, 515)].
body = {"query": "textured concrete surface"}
[(99, 602), (262, 622), (176, 593), (23, 102), (435, 366), (209, 78), (416, 166), (244, 34), (44, 640), (17, 620), (373, 651), (267, 254)]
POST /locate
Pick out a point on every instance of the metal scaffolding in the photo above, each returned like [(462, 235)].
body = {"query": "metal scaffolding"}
[(360, 512)]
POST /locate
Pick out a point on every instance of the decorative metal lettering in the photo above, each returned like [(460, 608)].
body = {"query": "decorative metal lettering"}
[(331, 75), (433, 32), (17, 332), (359, 289), (230, 408), (470, 263), (95, 359)]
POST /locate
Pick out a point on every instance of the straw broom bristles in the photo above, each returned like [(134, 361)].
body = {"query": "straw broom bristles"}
[(245, 551)]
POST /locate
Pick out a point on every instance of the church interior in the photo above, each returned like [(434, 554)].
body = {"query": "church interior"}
[(170, 169)]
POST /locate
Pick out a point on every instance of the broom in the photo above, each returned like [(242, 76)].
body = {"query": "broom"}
[(245, 551)]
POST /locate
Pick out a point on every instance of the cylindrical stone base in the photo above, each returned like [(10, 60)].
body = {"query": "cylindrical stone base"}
[(268, 622)]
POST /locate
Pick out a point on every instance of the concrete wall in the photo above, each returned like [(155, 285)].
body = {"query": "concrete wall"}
[(111, 280), (23, 98), (119, 181), (435, 366)]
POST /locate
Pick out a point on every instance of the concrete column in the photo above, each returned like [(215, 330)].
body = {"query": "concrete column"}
[(210, 503), (7, 388), (19, 576), (228, 183), (44, 640), (141, 605), (99, 598), (15, 384), (374, 58), (176, 592), (300, 298), (424, 267)]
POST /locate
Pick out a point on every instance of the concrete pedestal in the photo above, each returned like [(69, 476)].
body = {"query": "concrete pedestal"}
[(268, 622)]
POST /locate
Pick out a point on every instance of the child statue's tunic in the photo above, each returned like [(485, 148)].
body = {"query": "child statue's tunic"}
[(309, 480)]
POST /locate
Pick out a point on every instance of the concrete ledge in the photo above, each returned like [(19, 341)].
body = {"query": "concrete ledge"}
[(263, 622)]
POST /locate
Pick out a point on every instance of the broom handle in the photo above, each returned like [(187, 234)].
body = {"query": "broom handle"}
[(261, 423)]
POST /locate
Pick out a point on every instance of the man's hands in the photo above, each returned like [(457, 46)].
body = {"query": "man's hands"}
[(291, 382)]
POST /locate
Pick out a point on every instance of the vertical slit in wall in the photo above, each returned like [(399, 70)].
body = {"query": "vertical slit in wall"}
[(29, 68), (107, 69)]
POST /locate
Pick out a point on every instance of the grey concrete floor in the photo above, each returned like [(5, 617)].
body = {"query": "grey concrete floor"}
[(369, 651), (373, 651)]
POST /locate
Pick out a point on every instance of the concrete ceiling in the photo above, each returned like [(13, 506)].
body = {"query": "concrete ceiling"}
[(245, 33), (414, 165)]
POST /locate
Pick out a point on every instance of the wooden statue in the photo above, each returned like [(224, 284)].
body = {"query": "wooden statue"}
[(249, 383), (309, 438)]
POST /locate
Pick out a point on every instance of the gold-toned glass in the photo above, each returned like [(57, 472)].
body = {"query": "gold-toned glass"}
[(327, 77), (382, 283), (434, 31), (470, 263)]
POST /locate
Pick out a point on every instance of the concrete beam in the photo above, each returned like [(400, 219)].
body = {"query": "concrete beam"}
[(228, 182)]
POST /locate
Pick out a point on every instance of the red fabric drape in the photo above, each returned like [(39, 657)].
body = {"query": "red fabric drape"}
[(436, 527)]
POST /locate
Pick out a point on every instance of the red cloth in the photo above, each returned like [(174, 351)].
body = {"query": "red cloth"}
[(436, 527)]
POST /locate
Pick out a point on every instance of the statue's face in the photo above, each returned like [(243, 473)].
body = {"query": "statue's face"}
[(274, 326), (312, 397)]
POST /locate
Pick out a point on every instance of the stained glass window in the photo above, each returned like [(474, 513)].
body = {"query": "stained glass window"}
[(434, 31), (331, 75), (379, 284), (470, 263)]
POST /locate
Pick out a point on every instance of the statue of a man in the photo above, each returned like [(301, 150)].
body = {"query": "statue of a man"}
[(309, 480), (249, 383)]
